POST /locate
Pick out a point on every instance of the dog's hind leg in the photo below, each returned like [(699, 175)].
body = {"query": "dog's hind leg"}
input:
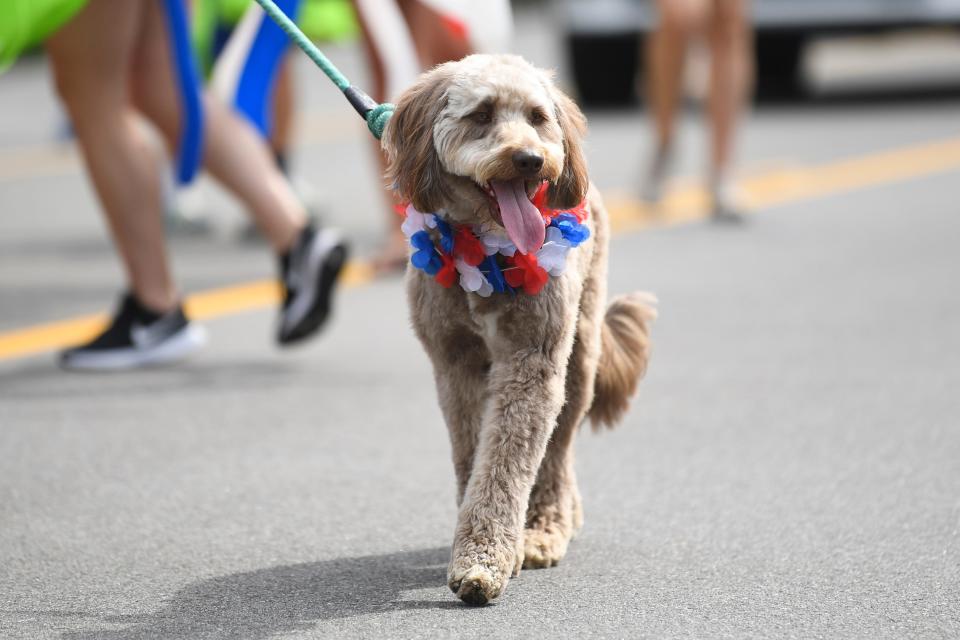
[(554, 513)]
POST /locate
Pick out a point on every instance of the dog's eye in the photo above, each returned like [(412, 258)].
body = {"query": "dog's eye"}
[(481, 116), (537, 116)]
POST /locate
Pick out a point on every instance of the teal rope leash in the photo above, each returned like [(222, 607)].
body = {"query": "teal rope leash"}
[(375, 114)]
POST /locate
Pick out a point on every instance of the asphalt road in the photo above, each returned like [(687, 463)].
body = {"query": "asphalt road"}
[(789, 469)]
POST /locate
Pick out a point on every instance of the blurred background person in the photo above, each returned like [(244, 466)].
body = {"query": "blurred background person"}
[(253, 73), (249, 65), (113, 62), (214, 24), (724, 27), (404, 37)]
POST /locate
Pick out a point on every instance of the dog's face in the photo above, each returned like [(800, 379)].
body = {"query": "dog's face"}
[(477, 137)]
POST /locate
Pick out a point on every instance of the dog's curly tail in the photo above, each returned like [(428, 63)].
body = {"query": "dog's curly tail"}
[(625, 349)]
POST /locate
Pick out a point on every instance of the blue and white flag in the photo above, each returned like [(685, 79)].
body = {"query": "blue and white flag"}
[(246, 70), (187, 76)]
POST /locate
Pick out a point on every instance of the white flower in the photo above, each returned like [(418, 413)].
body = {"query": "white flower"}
[(552, 256), (413, 222), (497, 242), (471, 279), (416, 221)]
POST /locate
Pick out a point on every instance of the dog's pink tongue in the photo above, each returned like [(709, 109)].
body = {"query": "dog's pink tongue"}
[(522, 220)]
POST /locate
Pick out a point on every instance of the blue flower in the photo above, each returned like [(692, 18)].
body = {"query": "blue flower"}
[(573, 232), (446, 236), (425, 257), (490, 267)]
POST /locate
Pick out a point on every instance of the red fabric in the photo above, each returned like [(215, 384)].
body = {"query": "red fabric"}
[(540, 202), (448, 272), (527, 273), (467, 246), (458, 28)]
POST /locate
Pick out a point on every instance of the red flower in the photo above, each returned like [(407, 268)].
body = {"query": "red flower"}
[(580, 211), (540, 202), (526, 274), (467, 246), (447, 275)]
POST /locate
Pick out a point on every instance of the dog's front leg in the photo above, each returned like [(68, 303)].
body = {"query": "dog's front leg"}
[(461, 362), (461, 376), (525, 396)]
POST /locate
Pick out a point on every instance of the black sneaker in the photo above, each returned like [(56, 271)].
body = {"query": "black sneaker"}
[(137, 337), (309, 274)]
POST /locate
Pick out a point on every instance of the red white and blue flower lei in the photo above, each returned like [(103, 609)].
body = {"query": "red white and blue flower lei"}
[(485, 258)]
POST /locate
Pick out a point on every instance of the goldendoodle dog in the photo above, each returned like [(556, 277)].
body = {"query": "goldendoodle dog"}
[(507, 289)]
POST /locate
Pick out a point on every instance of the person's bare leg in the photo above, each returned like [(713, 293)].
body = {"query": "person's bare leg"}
[(234, 153), (392, 255), (436, 39), (284, 100), (435, 43), (666, 54), (91, 58), (730, 78), (237, 157), (679, 20)]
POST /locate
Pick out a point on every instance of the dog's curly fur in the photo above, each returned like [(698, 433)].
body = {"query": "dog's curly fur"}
[(516, 375)]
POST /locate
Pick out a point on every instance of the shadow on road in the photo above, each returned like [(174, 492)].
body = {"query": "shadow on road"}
[(41, 380), (265, 603)]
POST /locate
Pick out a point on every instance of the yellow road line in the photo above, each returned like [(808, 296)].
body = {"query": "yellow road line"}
[(256, 295), (685, 203), (46, 337)]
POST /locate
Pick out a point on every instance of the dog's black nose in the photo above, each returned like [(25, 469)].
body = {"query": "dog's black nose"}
[(527, 162)]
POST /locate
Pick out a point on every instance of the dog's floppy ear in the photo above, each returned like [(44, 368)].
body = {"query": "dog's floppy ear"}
[(413, 166), (570, 188)]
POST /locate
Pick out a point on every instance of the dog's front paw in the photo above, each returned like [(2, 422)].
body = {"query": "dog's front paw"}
[(477, 585), (479, 572)]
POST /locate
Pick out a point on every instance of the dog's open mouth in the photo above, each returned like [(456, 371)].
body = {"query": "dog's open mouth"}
[(511, 206)]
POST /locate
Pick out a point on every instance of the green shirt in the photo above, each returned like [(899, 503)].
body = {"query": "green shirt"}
[(27, 23)]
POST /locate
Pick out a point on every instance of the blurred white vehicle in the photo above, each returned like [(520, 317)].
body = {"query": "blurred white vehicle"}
[(603, 37)]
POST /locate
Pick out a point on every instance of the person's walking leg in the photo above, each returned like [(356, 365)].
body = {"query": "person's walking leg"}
[(380, 37), (91, 58), (234, 153), (284, 106), (437, 37), (730, 39), (678, 22), (240, 159)]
